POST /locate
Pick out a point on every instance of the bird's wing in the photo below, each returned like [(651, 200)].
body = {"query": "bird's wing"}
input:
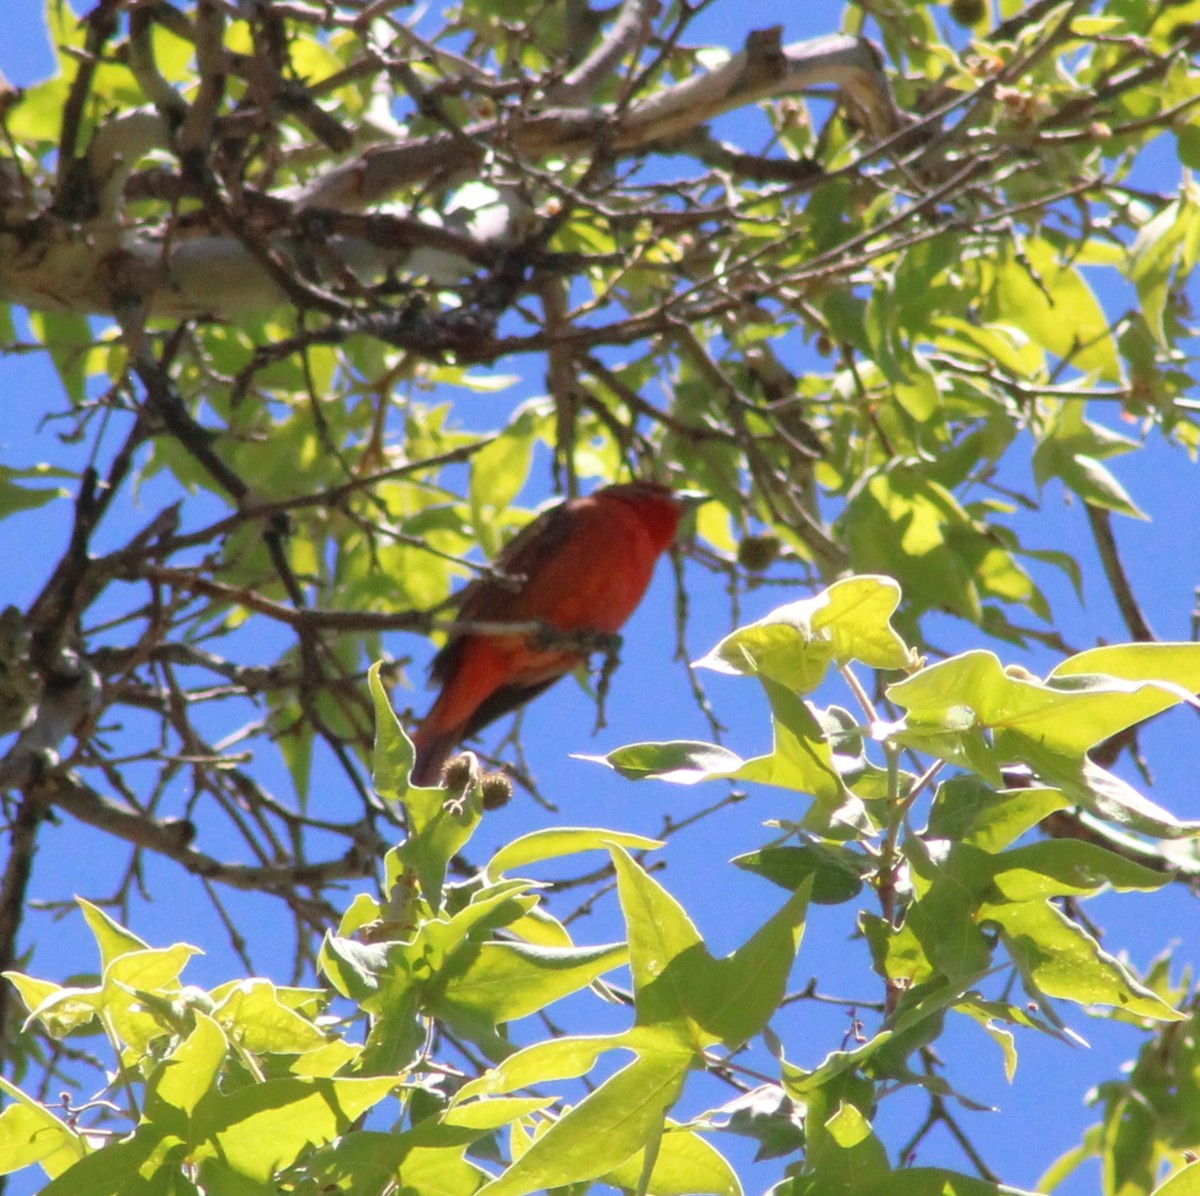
[(523, 556), (491, 600)]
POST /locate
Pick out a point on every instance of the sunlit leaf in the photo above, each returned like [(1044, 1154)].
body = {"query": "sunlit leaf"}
[(30, 1133), (1067, 713), (607, 1127), (796, 644), (1062, 960), (554, 842), (1035, 290)]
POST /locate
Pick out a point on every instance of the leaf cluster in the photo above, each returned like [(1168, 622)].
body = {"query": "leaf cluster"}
[(249, 1086), (334, 295)]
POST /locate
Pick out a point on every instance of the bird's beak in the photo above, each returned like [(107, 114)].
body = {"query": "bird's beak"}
[(691, 499)]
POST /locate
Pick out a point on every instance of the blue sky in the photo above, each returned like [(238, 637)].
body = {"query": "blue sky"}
[(650, 701)]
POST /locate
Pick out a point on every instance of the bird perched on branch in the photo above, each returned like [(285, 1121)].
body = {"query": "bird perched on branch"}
[(578, 571)]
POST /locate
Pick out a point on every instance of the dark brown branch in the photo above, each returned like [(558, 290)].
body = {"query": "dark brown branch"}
[(1118, 580), (13, 887), (306, 619), (172, 838), (73, 189), (166, 403)]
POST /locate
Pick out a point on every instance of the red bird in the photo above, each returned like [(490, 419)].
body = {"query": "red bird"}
[(584, 566)]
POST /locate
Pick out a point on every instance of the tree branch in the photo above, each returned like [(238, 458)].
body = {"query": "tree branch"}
[(631, 27), (1118, 580), (172, 837)]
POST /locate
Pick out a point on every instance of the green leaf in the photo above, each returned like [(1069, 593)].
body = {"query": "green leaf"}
[(1085, 475), (848, 1127), (219, 1179), (843, 1154), (801, 1084), (429, 848), (675, 978), (127, 977), (1185, 1182), (801, 757), (744, 990), (395, 980), (483, 1116), (768, 1115), (795, 644), (500, 982), (1003, 344), (437, 830), (686, 1163), (68, 336), (380, 977), (262, 1023), (1057, 957), (1033, 288), (112, 938), (1073, 448), (393, 755), (446, 1172), (190, 1071), (38, 115), (836, 871), (1187, 140), (607, 1127), (144, 1164), (353, 968), (662, 943), (554, 842), (364, 1162), (902, 523), (1156, 255), (1176, 663), (1107, 796), (967, 810), (540, 928), (430, 1153), (61, 1009), (489, 909), (682, 762), (943, 919), (259, 1129), (15, 497), (30, 1133), (548, 1061), (1062, 868), (1066, 714), (935, 1181)]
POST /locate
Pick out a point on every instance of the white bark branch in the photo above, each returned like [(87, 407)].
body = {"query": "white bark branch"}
[(631, 28), (51, 263), (763, 70)]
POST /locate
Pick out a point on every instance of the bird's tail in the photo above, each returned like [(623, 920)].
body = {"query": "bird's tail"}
[(433, 748)]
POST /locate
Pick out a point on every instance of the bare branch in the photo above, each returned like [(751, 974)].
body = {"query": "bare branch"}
[(303, 619), (761, 71), (631, 28), (1118, 579), (172, 837)]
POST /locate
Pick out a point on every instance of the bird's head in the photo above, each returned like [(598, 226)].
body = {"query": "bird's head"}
[(659, 507)]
